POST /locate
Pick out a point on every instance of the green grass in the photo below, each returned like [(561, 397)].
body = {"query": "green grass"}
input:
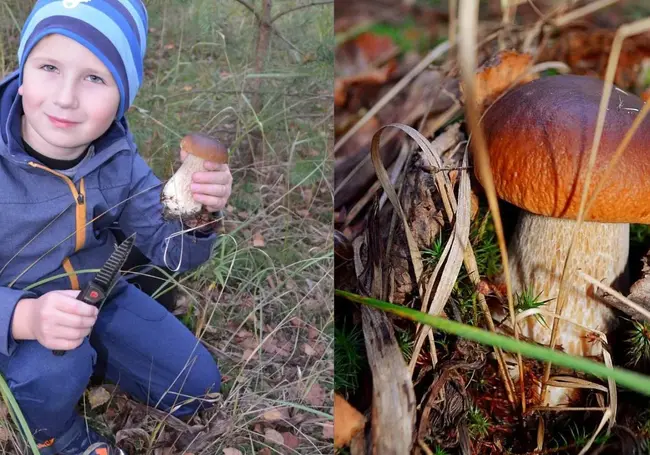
[(478, 423), (349, 358)]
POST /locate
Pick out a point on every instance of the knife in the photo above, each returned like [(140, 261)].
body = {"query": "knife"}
[(96, 290)]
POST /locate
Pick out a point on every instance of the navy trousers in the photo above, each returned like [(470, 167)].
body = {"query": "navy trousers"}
[(135, 343)]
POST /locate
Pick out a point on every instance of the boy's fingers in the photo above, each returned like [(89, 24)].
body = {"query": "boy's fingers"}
[(63, 344), (77, 307), (210, 189), (71, 334), (211, 166), (70, 293), (210, 200), (223, 178), (76, 321)]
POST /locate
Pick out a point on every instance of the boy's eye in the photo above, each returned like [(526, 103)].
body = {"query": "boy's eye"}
[(96, 79), (48, 67)]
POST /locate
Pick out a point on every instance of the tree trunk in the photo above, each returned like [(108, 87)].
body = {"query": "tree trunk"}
[(261, 50)]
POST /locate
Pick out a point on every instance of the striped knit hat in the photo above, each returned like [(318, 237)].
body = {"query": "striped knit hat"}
[(114, 30)]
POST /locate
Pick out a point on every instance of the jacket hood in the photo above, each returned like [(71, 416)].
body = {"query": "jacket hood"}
[(117, 138)]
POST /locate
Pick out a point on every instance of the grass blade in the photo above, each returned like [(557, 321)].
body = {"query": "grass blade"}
[(630, 379)]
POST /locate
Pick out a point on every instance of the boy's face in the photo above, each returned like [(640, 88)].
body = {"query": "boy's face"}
[(69, 97)]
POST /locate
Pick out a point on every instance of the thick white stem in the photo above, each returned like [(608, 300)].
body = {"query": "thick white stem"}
[(177, 194), (537, 253)]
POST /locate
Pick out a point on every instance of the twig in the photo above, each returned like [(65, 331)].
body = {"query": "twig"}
[(291, 10), (270, 24), (468, 16), (620, 301)]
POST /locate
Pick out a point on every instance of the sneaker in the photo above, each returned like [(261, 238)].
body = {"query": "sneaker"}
[(103, 448)]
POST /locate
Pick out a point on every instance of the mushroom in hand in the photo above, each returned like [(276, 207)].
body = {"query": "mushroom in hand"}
[(176, 197), (539, 137)]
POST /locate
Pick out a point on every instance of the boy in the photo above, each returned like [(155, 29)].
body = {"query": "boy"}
[(66, 157)]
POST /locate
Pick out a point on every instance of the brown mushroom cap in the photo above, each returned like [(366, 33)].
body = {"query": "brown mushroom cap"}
[(539, 138), (206, 147)]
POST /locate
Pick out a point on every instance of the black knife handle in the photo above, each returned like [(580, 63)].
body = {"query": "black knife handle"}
[(92, 295)]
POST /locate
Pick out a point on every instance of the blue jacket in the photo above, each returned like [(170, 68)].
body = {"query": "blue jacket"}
[(53, 227)]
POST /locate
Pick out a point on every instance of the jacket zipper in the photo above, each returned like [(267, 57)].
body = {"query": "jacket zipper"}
[(80, 219)]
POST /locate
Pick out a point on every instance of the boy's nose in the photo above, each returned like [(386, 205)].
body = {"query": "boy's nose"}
[(65, 96)]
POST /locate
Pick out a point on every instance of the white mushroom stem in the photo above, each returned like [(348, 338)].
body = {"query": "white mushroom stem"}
[(537, 253), (177, 193)]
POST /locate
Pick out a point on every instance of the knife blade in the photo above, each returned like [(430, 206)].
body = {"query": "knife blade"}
[(96, 290)]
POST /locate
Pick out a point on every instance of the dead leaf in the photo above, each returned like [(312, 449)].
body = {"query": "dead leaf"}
[(498, 73), (307, 194), (187, 88), (312, 332), (328, 431), (264, 451), (276, 414), (316, 395), (586, 51), (98, 396), (258, 239), (308, 350), (5, 434), (131, 434), (290, 440), (348, 421), (271, 435), (231, 451), (358, 61)]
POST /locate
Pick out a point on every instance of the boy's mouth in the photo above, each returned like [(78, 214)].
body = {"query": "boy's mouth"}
[(61, 123)]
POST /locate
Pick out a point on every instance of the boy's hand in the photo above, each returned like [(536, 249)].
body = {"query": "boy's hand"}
[(212, 187), (56, 319)]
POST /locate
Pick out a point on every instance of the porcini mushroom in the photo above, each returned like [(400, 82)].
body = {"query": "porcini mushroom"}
[(177, 199), (539, 137)]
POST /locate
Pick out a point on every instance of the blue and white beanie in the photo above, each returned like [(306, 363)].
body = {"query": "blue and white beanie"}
[(114, 30)]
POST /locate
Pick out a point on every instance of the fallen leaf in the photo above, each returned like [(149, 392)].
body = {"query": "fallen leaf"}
[(187, 88), (131, 434), (98, 396), (170, 46), (5, 434), (258, 239), (312, 332), (290, 440), (328, 431), (231, 451), (246, 354), (303, 213), (316, 395), (307, 194), (348, 421), (308, 350), (498, 73), (296, 321), (264, 451), (271, 435), (276, 414)]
